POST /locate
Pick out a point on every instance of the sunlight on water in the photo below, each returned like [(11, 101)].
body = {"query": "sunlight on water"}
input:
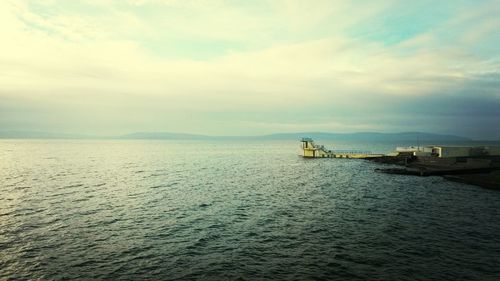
[(233, 210)]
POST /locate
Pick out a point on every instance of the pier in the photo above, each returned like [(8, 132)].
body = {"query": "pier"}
[(312, 150), (477, 165)]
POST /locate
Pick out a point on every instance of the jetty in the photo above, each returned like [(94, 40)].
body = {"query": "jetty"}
[(477, 165), (312, 150)]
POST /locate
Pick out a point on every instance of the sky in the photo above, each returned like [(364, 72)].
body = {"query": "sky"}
[(221, 67)]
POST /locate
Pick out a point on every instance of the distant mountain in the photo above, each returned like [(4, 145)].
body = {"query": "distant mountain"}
[(165, 136), (369, 136), (41, 135), (361, 136)]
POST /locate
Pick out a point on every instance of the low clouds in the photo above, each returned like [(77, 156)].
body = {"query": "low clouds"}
[(267, 67)]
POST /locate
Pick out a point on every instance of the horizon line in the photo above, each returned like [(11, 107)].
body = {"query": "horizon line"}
[(25, 134)]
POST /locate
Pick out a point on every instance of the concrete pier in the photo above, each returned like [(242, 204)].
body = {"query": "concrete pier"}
[(312, 150), (477, 165)]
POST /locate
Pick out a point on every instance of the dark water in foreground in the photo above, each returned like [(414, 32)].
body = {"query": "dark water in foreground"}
[(166, 210)]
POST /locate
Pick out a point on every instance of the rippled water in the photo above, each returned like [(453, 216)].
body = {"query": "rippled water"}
[(168, 210)]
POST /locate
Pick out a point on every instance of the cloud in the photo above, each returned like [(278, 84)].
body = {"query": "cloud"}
[(278, 65)]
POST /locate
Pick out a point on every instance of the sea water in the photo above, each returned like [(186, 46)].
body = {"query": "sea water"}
[(233, 210)]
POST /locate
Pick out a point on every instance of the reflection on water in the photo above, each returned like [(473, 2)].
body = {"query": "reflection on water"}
[(233, 210)]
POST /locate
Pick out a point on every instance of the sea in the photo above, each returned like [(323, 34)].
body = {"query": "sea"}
[(233, 210)]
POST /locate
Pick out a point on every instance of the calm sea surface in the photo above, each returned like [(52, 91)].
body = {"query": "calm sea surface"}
[(196, 210)]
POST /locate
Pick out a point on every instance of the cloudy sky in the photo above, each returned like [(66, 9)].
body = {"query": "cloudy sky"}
[(224, 67)]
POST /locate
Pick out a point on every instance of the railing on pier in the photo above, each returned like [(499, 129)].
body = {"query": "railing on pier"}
[(350, 151)]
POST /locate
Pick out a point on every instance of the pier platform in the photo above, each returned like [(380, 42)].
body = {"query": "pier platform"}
[(312, 150)]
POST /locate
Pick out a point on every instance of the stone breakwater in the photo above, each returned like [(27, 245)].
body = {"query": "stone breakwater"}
[(482, 171)]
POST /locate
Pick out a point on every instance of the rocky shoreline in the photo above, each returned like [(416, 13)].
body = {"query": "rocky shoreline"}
[(479, 171)]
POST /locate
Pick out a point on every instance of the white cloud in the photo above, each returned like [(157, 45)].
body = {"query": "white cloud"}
[(74, 57)]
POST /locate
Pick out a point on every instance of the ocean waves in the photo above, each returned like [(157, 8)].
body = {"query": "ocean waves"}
[(168, 210)]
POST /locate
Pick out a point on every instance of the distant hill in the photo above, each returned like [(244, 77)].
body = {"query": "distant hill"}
[(165, 136), (41, 135), (361, 136), (369, 136)]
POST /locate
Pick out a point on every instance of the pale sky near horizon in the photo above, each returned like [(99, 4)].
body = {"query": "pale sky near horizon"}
[(224, 67)]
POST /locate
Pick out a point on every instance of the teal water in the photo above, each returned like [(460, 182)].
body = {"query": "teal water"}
[(195, 210)]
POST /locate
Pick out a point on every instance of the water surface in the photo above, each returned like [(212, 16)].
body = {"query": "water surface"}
[(172, 210)]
